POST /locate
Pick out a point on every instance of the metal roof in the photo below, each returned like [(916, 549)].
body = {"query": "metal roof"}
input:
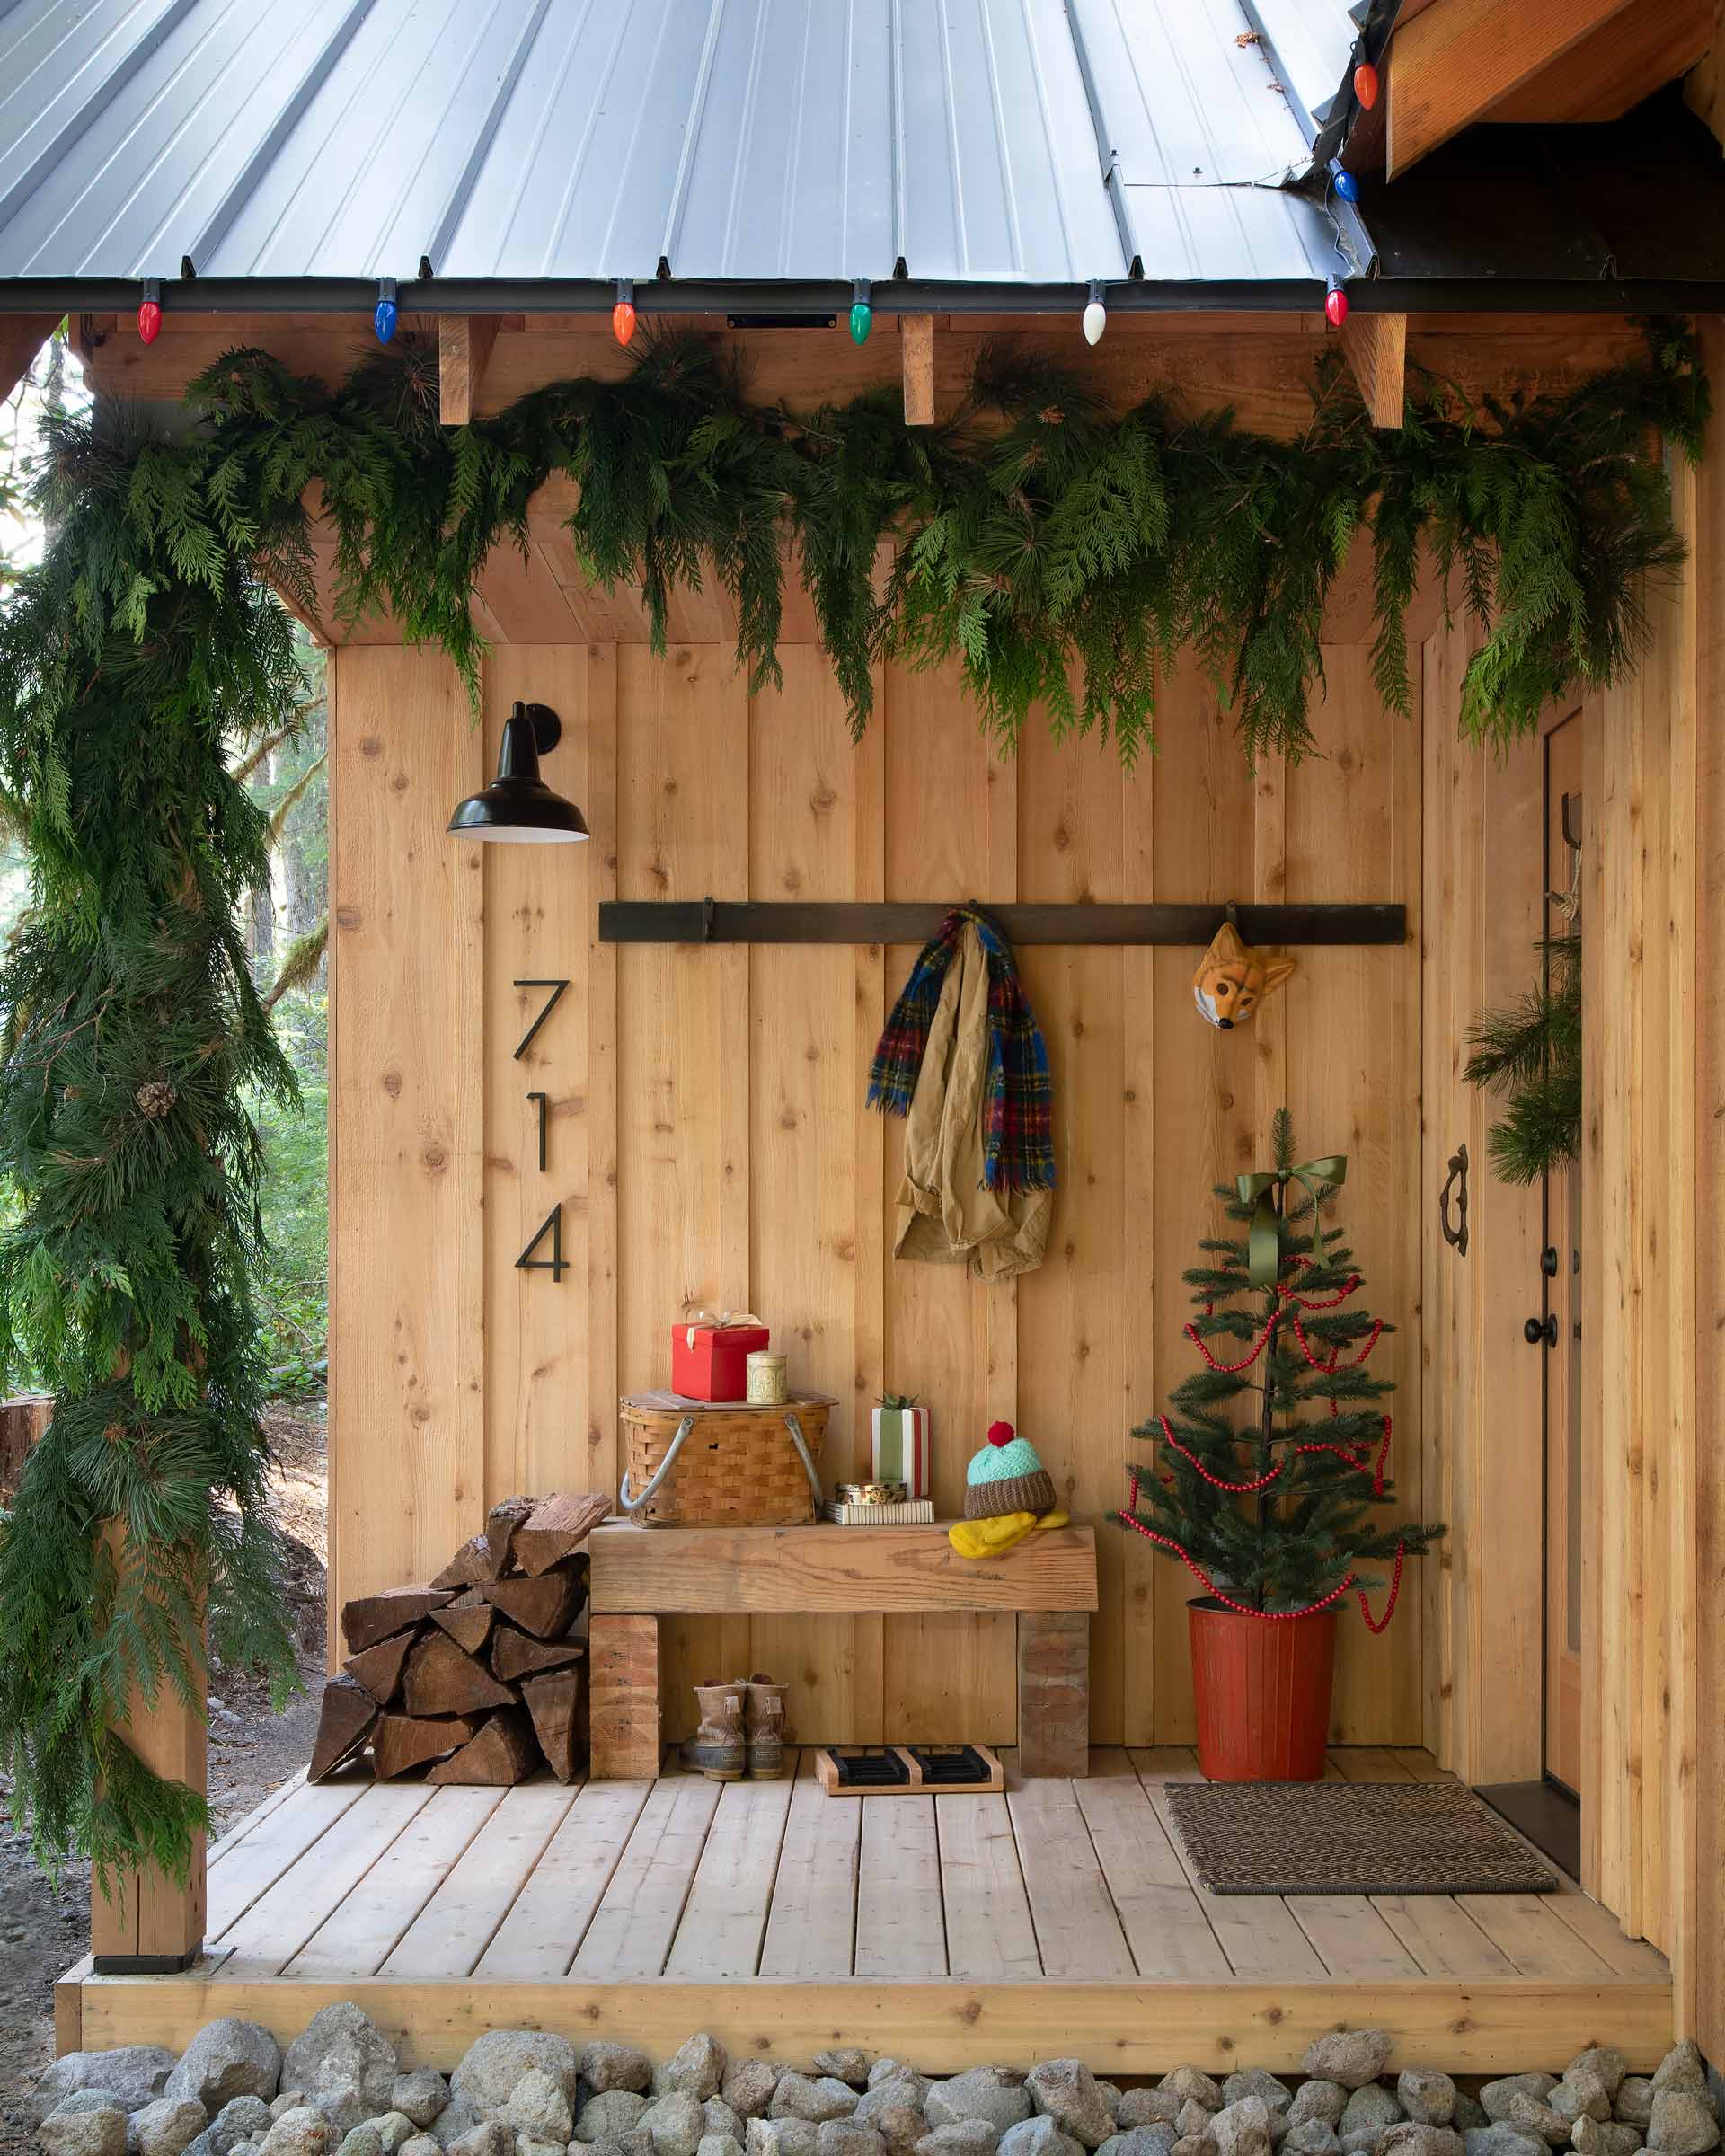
[(1033, 142)]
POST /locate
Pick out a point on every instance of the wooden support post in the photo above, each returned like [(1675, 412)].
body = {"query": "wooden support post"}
[(464, 344), (1376, 350), (22, 337), (916, 339), (623, 1704), (1053, 1692), (22, 1420), (148, 1923)]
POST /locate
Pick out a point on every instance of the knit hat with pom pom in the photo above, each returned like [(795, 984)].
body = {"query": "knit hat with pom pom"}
[(1006, 1476)]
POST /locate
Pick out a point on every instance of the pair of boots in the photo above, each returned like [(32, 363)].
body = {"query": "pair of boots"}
[(742, 1730)]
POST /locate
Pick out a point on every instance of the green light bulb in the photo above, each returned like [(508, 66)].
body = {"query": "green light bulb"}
[(862, 321)]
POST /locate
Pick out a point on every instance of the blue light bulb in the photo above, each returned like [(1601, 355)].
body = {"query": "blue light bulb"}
[(1346, 186), (387, 312)]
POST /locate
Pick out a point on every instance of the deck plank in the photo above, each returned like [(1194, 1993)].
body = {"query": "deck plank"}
[(1258, 1932), (1441, 1936), (989, 1932), (1537, 1939), (456, 1926), (811, 1926), (899, 1930), (1351, 1938), (542, 1931), (254, 1818), (1078, 1933), (637, 1917), (278, 1923), (1370, 1763), (724, 1918), (1164, 1923), (256, 1863), (357, 1938)]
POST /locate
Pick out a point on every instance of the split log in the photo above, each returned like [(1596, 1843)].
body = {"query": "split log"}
[(554, 1703), (562, 1523), (442, 1680), (373, 1617), (470, 1564), (344, 1722), (503, 1752), (503, 1522), (515, 1655), (379, 1668), (467, 1621), (401, 1741), (543, 1606)]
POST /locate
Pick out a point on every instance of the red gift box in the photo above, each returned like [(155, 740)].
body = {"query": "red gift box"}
[(710, 1354)]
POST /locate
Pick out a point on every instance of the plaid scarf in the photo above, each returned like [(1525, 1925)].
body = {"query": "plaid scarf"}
[(1018, 1106)]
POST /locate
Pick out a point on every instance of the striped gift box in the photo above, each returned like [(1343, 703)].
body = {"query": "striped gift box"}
[(913, 1512), (902, 1448)]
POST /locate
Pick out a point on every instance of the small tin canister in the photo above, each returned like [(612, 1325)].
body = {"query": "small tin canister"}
[(769, 1382)]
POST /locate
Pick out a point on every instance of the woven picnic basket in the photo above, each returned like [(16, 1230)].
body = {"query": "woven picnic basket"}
[(723, 1463)]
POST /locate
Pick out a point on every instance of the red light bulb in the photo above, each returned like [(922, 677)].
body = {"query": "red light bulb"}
[(622, 321), (1335, 306), (1366, 84), (149, 321)]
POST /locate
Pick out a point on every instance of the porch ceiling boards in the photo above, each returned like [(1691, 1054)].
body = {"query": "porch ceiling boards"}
[(1058, 1919)]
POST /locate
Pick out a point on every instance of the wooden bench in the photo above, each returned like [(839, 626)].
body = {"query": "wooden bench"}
[(641, 1574)]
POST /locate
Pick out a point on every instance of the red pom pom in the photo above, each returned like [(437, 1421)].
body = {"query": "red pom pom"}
[(1000, 1433), (149, 321), (1366, 84)]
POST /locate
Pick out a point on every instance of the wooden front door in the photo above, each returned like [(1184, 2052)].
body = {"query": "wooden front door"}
[(1562, 1260)]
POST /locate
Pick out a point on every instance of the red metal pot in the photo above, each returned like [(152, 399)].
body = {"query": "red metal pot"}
[(1261, 1688)]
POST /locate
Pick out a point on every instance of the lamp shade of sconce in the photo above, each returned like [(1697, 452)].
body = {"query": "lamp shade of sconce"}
[(517, 806)]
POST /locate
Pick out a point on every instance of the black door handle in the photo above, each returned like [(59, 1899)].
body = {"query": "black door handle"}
[(1540, 1328)]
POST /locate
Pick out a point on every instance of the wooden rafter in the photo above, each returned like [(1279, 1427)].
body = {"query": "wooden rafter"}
[(464, 344), (1376, 350), (916, 336)]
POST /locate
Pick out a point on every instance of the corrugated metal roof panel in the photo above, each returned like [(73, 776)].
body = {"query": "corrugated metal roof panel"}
[(809, 139)]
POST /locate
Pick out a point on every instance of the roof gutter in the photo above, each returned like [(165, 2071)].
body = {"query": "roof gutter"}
[(820, 297)]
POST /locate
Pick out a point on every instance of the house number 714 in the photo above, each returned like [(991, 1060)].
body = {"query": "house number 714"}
[(551, 1226)]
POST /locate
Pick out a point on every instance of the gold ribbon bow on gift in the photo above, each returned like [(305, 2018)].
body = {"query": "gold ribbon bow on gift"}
[(719, 1322), (1264, 1238)]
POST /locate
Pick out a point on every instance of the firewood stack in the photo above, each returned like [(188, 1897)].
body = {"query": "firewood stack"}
[(476, 1678)]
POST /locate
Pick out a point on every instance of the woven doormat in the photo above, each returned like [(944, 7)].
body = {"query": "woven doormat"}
[(1349, 1837)]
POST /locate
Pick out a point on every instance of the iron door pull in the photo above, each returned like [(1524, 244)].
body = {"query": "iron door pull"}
[(1540, 1328), (1457, 1232)]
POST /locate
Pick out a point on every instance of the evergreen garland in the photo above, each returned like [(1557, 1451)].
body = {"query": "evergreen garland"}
[(1531, 1055), (1061, 552)]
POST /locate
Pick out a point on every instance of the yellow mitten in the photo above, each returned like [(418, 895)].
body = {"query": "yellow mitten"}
[(1004, 1531)]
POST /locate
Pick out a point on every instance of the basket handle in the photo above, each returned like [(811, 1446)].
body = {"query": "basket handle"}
[(632, 1504)]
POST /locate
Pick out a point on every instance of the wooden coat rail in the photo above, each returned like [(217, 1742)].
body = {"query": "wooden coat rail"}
[(724, 921)]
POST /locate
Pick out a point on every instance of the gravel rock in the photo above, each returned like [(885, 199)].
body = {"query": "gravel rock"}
[(1148, 2107), (1252, 2081), (1319, 2102), (906, 2085), (225, 2059), (134, 2075), (1352, 2057), (675, 2124), (846, 2064), (847, 2136), (1500, 2139), (421, 2144), (1192, 2082), (457, 2117), (780, 2137), (1193, 2119), (167, 2127), (1112, 2096), (960, 2137), (1497, 2096), (748, 2085), (95, 2099), (305, 2131), (1243, 2128), (362, 2142), (493, 2065), (1683, 2122), (900, 2126), (609, 2116), (490, 2137), (1312, 2137), (243, 2118), (289, 2099), (1682, 2069), (1427, 2097), (394, 2131), (1605, 2060), (1414, 2137), (697, 2066), (605, 2066), (1370, 2104), (344, 2065), (83, 2133), (994, 2094), (1529, 2114), (1470, 2112), (1067, 2092), (720, 2144), (1140, 2140), (888, 2069), (1633, 2103), (538, 2108), (1580, 2093), (1196, 2144), (802, 2096), (718, 2117), (419, 2095), (526, 2145), (1604, 2137), (1038, 2136)]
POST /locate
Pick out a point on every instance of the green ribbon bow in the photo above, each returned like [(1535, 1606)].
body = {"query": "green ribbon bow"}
[(1264, 1238)]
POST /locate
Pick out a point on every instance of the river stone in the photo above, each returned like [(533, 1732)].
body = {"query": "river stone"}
[(675, 2124), (1139, 2140), (1633, 2103), (1196, 2144), (1500, 2139), (241, 2118), (803, 2095), (493, 2066), (1312, 2137), (636, 2142), (83, 2133), (906, 2087), (1252, 2081), (95, 2099), (420, 2096), (394, 2130), (1681, 2068), (225, 2059), (847, 2137), (901, 2126), (718, 2117), (344, 2065), (696, 2067), (605, 2066), (134, 2075), (457, 2117), (1602, 2059), (421, 2144), (1414, 2137), (994, 2094), (1369, 2104), (1604, 2137), (1317, 2102), (960, 2137), (1352, 2057), (845, 2064), (780, 2137), (1497, 2096), (1428, 2097), (1148, 2107), (362, 2140), (1113, 2095), (289, 2099), (305, 2131), (1530, 2114), (1242, 2128), (1581, 2094), (1193, 2119), (720, 2144), (609, 2116), (167, 2127), (539, 2108), (1192, 2082), (1038, 2136), (490, 2137), (526, 2145), (1683, 2124), (749, 2085), (1067, 2092)]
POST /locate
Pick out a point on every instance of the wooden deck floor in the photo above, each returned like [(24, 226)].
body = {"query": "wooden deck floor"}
[(1059, 1918)]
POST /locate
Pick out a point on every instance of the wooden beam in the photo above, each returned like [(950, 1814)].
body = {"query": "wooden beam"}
[(1053, 1693), (917, 338), (464, 344), (1376, 350), (1617, 66), (623, 1697), (22, 337), (1459, 59)]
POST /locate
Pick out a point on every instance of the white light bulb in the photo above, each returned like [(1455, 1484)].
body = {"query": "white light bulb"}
[(1095, 322)]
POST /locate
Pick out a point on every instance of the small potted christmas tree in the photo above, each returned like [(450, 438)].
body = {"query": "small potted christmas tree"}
[(1284, 1512)]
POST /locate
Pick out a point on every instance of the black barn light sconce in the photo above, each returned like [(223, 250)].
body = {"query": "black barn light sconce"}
[(517, 806)]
